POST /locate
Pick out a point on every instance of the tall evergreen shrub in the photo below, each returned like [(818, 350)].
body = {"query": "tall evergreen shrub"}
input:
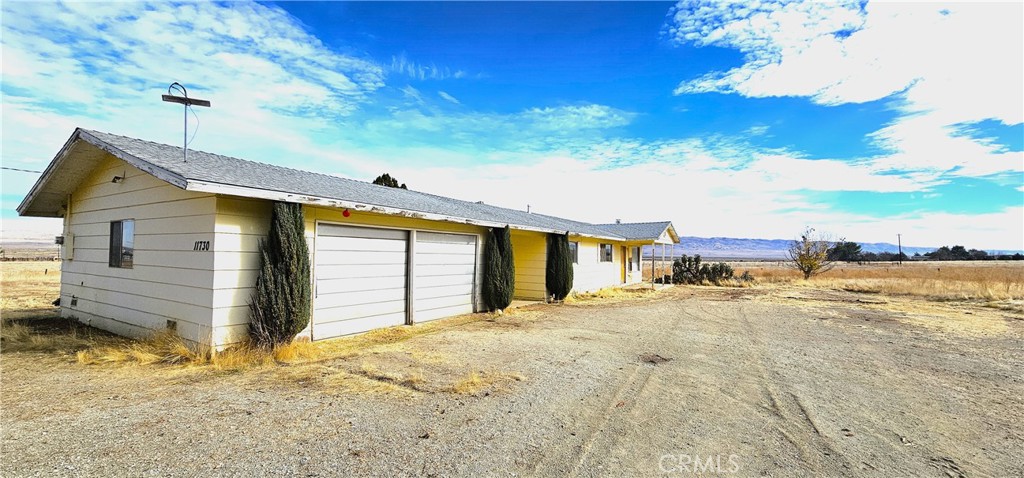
[(280, 305), (559, 266), (499, 269)]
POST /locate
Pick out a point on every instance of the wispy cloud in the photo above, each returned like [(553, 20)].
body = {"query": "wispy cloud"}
[(759, 130), (423, 71), (694, 184), (449, 98), (850, 52), (547, 128), (282, 95), (104, 66)]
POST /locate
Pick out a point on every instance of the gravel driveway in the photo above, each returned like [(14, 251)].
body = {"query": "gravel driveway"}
[(685, 382)]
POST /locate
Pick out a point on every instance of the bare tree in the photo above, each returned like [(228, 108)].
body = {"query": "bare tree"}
[(809, 254)]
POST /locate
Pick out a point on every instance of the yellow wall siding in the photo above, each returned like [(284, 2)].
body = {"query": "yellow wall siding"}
[(168, 280), (240, 224), (529, 253), (589, 274)]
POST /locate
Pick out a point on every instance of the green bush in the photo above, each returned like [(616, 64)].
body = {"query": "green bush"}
[(280, 304), (686, 270), (499, 269), (690, 270), (559, 266)]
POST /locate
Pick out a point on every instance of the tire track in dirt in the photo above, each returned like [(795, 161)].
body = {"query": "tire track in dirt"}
[(796, 424), (604, 429)]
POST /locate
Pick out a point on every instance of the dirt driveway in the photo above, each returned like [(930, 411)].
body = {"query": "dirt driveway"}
[(685, 382)]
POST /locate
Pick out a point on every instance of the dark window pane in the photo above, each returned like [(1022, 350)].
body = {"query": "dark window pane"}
[(115, 244)]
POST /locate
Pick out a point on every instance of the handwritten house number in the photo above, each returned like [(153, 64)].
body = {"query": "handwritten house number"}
[(201, 246)]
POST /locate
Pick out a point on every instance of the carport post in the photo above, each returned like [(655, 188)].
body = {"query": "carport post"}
[(664, 255), (409, 285), (652, 265)]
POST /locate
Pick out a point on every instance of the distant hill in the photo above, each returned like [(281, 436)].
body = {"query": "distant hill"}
[(733, 248)]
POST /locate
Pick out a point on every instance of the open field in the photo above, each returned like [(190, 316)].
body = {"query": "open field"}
[(29, 252), (28, 288), (1001, 281), (779, 379)]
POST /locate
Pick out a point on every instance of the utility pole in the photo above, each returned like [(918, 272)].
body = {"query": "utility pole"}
[(899, 244), (188, 102)]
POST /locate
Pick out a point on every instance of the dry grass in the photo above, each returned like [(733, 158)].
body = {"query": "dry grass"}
[(610, 294), (168, 348), (28, 289), (988, 280), (478, 381), (375, 362), (43, 331)]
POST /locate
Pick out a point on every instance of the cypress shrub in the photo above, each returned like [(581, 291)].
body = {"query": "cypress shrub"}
[(280, 305), (559, 266), (499, 269)]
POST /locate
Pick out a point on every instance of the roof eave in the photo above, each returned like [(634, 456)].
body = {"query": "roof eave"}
[(171, 177), (44, 178), (62, 157), (672, 232), (245, 191)]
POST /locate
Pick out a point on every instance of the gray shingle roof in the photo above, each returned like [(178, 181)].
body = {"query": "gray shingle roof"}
[(637, 230), (225, 170)]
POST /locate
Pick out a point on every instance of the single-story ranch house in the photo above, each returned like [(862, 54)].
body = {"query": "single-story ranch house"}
[(152, 241)]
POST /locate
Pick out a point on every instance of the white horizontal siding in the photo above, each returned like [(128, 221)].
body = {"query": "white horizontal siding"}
[(168, 280), (590, 274)]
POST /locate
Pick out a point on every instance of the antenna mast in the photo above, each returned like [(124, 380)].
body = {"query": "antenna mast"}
[(188, 102)]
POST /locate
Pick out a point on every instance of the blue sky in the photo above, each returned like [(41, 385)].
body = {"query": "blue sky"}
[(861, 119)]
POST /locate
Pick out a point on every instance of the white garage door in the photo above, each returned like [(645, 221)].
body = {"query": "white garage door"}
[(360, 279), (445, 268)]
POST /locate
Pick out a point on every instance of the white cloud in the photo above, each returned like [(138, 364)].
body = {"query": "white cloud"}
[(837, 52), (548, 128), (947, 64), (104, 66), (704, 197), (279, 95), (449, 98), (577, 117), (402, 65), (758, 130)]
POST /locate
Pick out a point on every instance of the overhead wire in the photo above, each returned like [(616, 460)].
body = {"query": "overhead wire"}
[(21, 170)]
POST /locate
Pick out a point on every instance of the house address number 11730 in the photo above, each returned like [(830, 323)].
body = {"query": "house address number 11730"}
[(201, 246)]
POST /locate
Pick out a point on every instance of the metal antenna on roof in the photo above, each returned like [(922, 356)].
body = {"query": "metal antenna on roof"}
[(188, 102)]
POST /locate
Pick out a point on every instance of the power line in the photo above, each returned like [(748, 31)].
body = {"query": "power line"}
[(21, 170)]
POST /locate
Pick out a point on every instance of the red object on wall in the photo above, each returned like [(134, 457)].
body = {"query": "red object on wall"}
[(346, 213)]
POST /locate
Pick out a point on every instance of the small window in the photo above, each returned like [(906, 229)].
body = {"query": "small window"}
[(122, 243), (574, 251), (605, 251)]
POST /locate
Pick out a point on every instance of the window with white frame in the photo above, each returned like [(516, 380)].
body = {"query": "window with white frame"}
[(574, 251), (606, 252)]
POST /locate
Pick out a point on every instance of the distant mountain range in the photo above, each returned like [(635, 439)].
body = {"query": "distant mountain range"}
[(732, 248), (707, 247)]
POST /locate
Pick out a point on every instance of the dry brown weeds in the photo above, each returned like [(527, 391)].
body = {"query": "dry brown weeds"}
[(987, 280)]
